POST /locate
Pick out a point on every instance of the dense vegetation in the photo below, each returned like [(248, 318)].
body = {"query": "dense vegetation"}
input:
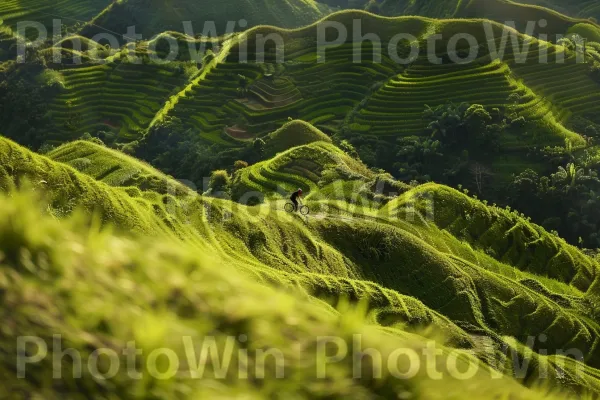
[(387, 252), (453, 201)]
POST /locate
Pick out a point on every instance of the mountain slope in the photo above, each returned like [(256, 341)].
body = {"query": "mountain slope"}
[(152, 17), (412, 272), (383, 99), (223, 104), (196, 302), (519, 12)]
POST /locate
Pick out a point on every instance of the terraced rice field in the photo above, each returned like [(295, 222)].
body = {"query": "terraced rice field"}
[(388, 98), (299, 167), (202, 108), (315, 92), (153, 17), (577, 8), (326, 89), (114, 168), (117, 97), (397, 108), (272, 93), (68, 11), (567, 85)]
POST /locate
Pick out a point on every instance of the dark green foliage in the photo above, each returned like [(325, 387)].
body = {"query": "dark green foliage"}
[(566, 201), (463, 125), (24, 105)]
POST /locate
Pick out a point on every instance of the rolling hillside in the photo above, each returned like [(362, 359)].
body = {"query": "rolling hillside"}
[(558, 16), (152, 17), (376, 96), (579, 8), (466, 270), (144, 193), (188, 117)]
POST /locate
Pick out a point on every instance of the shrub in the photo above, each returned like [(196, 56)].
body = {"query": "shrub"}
[(239, 164), (46, 148), (219, 181), (258, 145), (130, 148), (518, 122), (349, 149), (89, 138)]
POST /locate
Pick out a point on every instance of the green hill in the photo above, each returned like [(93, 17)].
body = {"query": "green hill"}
[(384, 99), (122, 97), (310, 167), (519, 12), (511, 111), (578, 8), (100, 243), (292, 134), (153, 17), (459, 272), (114, 168), (195, 298), (68, 11)]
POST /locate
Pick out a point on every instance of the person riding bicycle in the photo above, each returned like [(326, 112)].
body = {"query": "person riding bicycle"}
[(295, 197)]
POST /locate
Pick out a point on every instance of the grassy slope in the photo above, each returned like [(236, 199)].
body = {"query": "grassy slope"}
[(108, 96), (497, 10), (412, 272), (292, 134), (114, 168), (153, 17), (69, 11), (83, 280)]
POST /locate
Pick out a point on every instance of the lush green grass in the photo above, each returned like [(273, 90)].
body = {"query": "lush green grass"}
[(106, 290), (466, 272), (309, 167), (115, 168)]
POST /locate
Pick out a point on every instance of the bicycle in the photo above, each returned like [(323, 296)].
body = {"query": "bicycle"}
[(289, 207)]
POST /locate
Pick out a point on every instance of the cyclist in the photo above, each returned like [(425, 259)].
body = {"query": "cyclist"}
[(295, 197)]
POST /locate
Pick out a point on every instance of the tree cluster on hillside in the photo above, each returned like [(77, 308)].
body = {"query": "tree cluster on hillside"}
[(23, 103), (179, 152), (567, 201), (459, 138)]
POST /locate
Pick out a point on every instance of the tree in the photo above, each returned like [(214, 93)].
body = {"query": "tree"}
[(480, 173), (477, 118), (447, 122), (568, 175), (259, 146)]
